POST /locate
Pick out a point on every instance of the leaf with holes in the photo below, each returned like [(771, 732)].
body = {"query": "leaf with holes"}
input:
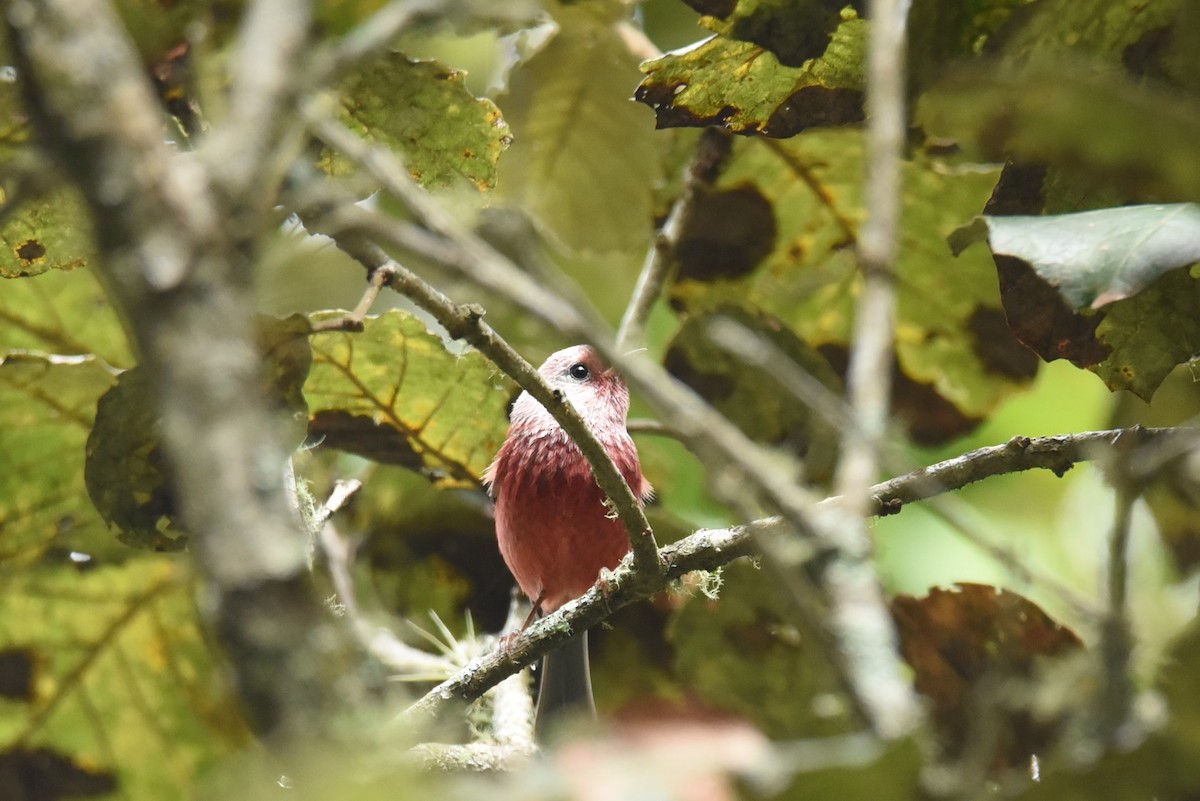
[(776, 237), (396, 394), (743, 85), (51, 233)]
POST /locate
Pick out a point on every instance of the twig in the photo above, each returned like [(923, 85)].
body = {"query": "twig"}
[(382, 28), (343, 491), (1116, 641), (1056, 454), (712, 151), (373, 35), (709, 549), (859, 612), (466, 322), (869, 378), (379, 277)]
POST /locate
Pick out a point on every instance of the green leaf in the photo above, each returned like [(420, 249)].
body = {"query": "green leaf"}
[(584, 159), (794, 30), (1125, 260), (123, 686), (1053, 29), (957, 360), (745, 88), (745, 654), (943, 32), (47, 405), (1096, 257), (396, 394), (423, 110), (63, 312), (1100, 129), (45, 226), (50, 233), (126, 471)]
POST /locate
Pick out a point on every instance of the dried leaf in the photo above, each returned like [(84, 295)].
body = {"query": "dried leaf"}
[(970, 646)]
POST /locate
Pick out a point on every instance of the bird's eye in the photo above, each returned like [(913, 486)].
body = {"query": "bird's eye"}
[(579, 371)]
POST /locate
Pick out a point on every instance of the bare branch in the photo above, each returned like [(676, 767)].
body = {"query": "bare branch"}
[(859, 612), (711, 153), (170, 263), (709, 549), (466, 322), (1116, 636)]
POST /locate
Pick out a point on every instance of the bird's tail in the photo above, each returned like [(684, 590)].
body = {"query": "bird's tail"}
[(566, 687)]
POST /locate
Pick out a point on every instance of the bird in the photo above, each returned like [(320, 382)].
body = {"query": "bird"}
[(553, 525)]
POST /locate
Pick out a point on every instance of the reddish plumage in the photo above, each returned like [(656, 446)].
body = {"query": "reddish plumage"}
[(554, 530)]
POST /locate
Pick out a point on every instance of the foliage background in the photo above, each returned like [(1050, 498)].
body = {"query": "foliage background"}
[(111, 681)]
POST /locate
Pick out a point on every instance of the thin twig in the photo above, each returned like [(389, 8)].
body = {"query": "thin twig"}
[(466, 322), (379, 641), (369, 38), (1116, 640), (709, 549), (869, 378), (712, 151), (380, 276), (859, 611), (755, 349)]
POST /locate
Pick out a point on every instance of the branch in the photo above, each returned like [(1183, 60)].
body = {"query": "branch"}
[(703, 550), (466, 322), (859, 612), (712, 151), (709, 549), (244, 154), (1056, 454), (172, 267)]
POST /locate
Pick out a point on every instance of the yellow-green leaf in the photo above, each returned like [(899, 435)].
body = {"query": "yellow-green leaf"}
[(397, 394)]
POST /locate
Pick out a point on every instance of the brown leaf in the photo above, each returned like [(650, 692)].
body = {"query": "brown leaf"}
[(970, 645)]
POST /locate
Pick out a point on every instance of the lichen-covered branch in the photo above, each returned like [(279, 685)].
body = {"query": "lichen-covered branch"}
[(709, 549), (178, 274)]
